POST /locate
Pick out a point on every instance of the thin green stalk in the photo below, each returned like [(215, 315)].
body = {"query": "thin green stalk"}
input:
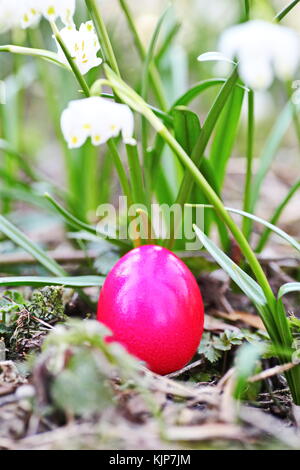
[(217, 203), (247, 10), (136, 175), (167, 41), (144, 93), (12, 117), (111, 145), (153, 72), (106, 172), (286, 10), (276, 216), (20, 239), (79, 225), (70, 60), (36, 38), (206, 132), (109, 56), (249, 171), (120, 170), (295, 109)]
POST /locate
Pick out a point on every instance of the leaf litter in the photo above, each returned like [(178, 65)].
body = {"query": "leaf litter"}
[(63, 387)]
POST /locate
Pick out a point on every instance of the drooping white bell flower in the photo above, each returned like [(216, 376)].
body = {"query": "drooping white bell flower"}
[(32, 10), (97, 118), (83, 46), (53, 9), (9, 15), (30, 13), (263, 50)]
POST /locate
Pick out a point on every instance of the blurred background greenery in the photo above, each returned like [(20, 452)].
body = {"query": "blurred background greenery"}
[(37, 92)]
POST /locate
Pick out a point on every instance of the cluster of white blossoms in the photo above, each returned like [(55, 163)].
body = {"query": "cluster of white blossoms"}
[(263, 50), (83, 46), (26, 13), (97, 118), (33, 10), (8, 17)]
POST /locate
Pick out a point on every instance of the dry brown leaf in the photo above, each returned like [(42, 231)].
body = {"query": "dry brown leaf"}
[(247, 318), (213, 324)]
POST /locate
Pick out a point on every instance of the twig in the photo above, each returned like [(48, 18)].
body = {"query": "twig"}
[(271, 372), (50, 327), (171, 387), (184, 369), (206, 432)]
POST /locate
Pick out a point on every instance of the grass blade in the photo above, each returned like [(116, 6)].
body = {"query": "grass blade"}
[(243, 280), (249, 172), (288, 288), (269, 152), (197, 154), (226, 131), (148, 61), (154, 74), (250, 287), (273, 228), (171, 34), (40, 53), (286, 10), (36, 281), (79, 225), (276, 216), (199, 88), (14, 234)]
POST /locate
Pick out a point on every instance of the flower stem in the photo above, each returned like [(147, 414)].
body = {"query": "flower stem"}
[(108, 51), (247, 10), (72, 63), (36, 38), (120, 170), (137, 180), (111, 145), (249, 173), (286, 10), (276, 216), (217, 203), (153, 72)]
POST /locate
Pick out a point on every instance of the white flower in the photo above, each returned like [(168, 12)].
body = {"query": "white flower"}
[(9, 17), (30, 13), (97, 118), (83, 46), (32, 10), (264, 50)]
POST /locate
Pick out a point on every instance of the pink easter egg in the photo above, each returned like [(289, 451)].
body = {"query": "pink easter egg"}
[(152, 304)]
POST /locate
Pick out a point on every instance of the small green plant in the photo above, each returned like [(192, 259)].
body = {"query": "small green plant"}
[(213, 346), (80, 366), (25, 322)]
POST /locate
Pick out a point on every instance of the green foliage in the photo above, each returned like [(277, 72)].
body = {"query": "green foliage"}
[(48, 304), (80, 365), (18, 237), (20, 316), (174, 169), (81, 388), (246, 365), (212, 346), (40, 281), (272, 312)]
